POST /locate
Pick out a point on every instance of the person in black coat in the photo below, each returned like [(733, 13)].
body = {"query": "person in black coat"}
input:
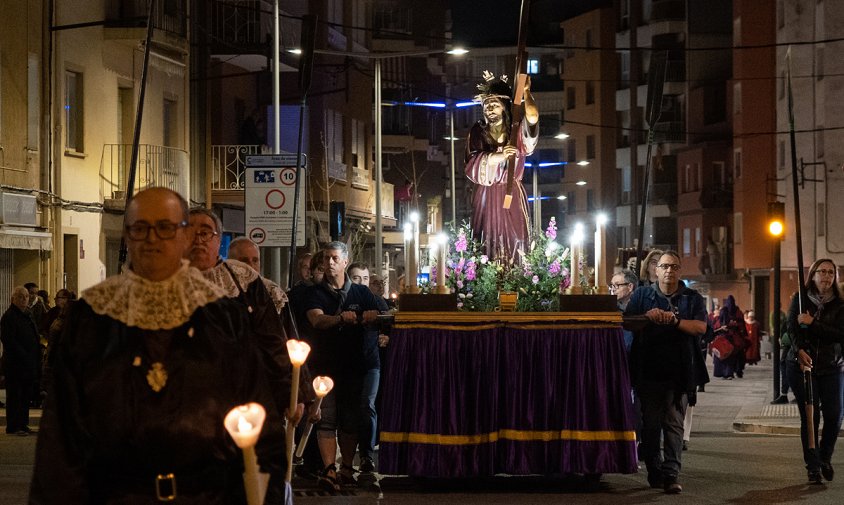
[(20, 361), (817, 337)]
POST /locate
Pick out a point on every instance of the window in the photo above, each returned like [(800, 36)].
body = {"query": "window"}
[(572, 154), (533, 66), (624, 70), (358, 144), (572, 207), (73, 108), (687, 242), (738, 227), (780, 14), (737, 163), (590, 200), (720, 176), (698, 242), (570, 97), (737, 98), (626, 184), (170, 122), (687, 175), (590, 92), (590, 147)]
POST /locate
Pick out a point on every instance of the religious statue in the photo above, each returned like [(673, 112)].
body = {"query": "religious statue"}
[(499, 142)]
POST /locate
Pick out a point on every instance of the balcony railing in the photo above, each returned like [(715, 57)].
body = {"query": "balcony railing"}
[(170, 15), (229, 165), (157, 166)]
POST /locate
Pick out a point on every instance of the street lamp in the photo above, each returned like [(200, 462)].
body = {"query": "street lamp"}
[(377, 57), (776, 229)]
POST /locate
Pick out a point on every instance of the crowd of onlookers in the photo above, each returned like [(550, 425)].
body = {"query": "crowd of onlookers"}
[(27, 327)]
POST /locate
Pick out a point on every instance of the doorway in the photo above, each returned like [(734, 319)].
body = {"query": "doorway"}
[(761, 299), (71, 263)]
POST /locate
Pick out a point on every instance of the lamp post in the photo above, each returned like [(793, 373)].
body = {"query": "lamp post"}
[(776, 228), (378, 57)]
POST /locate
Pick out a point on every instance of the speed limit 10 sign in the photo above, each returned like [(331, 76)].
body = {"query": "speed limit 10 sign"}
[(270, 190)]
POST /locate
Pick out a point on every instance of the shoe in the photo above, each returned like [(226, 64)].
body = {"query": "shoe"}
[(827, 471), (671, 486), (685, 445), (29, 430), (815, 477), (367, 465), (701, 389), (780, 400), (740, 374), (22, 433), (327, 479), (656, 480), (346, 476)]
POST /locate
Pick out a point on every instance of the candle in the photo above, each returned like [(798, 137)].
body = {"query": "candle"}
[(442, 253), (322, 386), (408, 239), (244, 424), (600, 236), (413, 268), (576, 258), (298, 352)]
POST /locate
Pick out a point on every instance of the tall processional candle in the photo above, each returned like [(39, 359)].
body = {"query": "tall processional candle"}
[(600, 239), (442, 254), (298, 352), (576, 259), (408, 240), (413, 267), (244, 424), (322, 386)]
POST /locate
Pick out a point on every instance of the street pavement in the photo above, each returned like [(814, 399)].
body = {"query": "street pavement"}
[(742, 451)]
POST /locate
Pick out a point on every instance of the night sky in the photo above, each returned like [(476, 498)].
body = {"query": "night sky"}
[(495, 22)]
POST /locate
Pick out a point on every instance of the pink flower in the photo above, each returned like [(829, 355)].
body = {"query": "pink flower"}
[(554, 268), (460, 244), (551, 231), (459, 284)]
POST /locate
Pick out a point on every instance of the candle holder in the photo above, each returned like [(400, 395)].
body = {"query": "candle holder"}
[(244, 424), (298, 352)]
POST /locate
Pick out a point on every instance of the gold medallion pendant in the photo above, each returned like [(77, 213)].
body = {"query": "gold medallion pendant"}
[(157, 377)]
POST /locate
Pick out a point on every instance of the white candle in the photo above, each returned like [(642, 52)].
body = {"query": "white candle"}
[(408, 239), (442, 253), (600, 235), (244, 424), (322, 386), (298, 352), (576, 258)]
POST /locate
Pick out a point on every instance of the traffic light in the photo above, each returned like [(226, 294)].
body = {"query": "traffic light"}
[(776, 219)]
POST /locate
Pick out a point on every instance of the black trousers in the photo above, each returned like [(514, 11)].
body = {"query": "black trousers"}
[(18, 391)]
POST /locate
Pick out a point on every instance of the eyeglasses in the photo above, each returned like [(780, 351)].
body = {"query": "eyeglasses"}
[(615, 286), (825, 272), (669, 266), (204, 234), (164, 229)]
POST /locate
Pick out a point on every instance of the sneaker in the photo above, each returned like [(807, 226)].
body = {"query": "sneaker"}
[(779, 400), (672, 486), (814, 477), (367, 465), (827, 471)]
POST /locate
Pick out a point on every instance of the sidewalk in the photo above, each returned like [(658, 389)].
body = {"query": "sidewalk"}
[(744, 404)]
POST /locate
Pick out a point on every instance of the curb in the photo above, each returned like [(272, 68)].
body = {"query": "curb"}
[(745, 426)]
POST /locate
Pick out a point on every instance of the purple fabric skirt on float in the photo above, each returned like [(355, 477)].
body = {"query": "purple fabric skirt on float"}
[(487, 398)]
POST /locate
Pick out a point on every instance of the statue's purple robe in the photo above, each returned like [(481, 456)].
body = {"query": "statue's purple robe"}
[(503, 231)]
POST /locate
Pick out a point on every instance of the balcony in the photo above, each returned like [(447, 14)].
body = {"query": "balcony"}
[(672, 132), (128, 18), (157, 166)]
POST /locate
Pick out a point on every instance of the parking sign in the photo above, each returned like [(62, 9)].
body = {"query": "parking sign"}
[(270, 188)]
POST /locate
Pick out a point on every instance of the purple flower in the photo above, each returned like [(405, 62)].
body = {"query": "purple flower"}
[(460, 244), (459, 284), (470, 273), (535, 279), (551, 231), (554, 268), (459, 305)]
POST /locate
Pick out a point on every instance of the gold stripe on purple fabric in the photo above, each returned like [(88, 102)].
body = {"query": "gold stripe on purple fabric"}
[(506, 434)]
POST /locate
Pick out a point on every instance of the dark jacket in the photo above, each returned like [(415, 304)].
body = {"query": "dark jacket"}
[(20, 344), (822, 339), (663, 353)]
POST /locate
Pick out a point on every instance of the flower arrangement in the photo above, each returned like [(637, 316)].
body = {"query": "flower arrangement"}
[(542, 273), (470, 273), (538, 278)]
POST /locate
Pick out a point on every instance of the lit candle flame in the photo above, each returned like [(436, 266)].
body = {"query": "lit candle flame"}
[(323, 385), (243, 426), (298, 351)]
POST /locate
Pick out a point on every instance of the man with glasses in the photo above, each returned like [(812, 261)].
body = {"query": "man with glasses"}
[(148, 365), (666, 366), (622, 285)]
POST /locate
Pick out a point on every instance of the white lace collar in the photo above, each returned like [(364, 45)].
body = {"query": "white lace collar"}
[(219, 276), (151, 305)]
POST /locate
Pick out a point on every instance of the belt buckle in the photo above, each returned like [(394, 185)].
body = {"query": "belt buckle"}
[(169, 480)]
